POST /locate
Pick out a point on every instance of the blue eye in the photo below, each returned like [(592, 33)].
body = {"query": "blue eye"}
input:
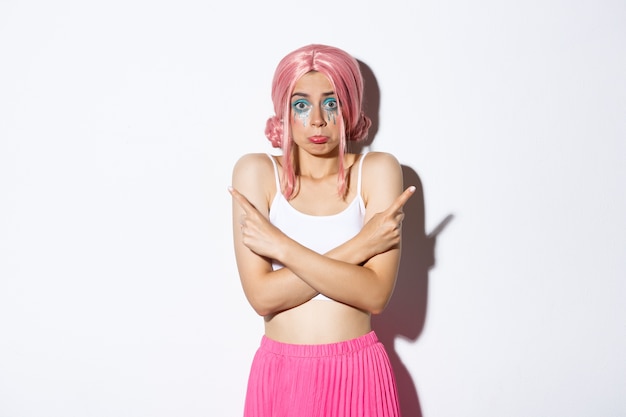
[(300, 106), (330, 104)]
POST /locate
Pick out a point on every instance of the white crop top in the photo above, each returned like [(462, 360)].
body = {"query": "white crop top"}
[(318, 233)]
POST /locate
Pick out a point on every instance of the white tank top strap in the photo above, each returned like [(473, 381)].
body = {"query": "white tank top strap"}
[(358, 183), (275, 173)]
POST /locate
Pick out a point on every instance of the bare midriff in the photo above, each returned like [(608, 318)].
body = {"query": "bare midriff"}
[(318, 322)]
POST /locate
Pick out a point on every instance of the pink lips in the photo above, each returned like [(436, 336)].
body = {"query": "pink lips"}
[(318, 139)]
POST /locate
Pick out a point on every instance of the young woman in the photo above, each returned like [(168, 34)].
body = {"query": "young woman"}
[(317, 233)]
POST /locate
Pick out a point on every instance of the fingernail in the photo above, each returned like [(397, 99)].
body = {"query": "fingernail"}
[(230, 188)]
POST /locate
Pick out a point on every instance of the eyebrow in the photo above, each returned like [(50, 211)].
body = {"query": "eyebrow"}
[(296, 93)]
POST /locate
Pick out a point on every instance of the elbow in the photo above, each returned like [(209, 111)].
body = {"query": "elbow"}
[(260, 310), (378, 304), (259, 303), (377, 309), (261, 306)]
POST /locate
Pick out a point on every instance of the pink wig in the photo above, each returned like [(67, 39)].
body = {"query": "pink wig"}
[(343, 72)]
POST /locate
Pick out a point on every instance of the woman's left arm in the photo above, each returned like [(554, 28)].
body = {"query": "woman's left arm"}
[(368, 286)]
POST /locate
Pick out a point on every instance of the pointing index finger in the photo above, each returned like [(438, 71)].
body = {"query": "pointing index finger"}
[(402, 199), (240, 199)]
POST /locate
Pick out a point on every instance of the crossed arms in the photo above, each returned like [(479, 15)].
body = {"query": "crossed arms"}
[(360, 272)]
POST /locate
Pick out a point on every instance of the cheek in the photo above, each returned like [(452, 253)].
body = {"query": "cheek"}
[(301, 118), (331, 116)]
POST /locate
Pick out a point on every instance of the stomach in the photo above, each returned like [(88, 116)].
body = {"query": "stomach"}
[(318, 322)]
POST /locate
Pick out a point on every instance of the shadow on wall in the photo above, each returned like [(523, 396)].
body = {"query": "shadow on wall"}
[(405, 315)]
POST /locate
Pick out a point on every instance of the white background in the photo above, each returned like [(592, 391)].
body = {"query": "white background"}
[(120, 122)]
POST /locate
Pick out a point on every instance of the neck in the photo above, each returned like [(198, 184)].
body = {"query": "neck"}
[(316, 167)]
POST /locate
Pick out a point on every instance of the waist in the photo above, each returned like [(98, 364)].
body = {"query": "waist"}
[(318, 350)]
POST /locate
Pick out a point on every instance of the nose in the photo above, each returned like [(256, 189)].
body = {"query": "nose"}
[(317, 117)]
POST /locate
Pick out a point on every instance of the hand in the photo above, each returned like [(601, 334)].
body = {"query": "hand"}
[(383, 231), (258, 234)]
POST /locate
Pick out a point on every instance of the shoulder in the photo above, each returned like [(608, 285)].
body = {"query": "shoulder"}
[(376, 157), (253, 176), (376, 164), (253, 166), (381, 179), (252, 161)]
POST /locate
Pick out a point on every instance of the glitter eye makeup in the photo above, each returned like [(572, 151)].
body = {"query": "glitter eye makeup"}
[(330, 107), (301, 110)]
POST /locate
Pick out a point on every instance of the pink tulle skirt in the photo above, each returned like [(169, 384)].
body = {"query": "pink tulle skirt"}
[(345, 379)]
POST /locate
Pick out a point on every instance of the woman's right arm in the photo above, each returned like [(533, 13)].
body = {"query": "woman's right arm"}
[(267, 291)]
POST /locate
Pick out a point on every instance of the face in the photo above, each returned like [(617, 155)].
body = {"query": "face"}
[(314, 115)]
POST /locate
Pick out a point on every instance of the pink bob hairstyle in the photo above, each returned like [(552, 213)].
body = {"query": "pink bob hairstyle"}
[(344, 74)]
